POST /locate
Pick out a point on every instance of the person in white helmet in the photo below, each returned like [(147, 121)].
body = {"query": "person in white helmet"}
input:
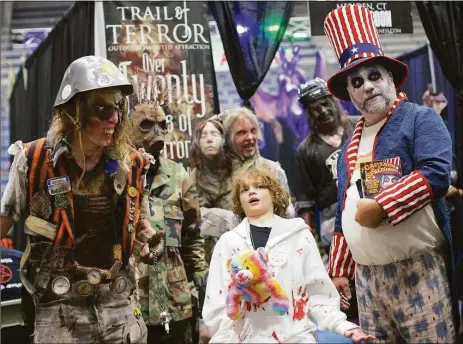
[(80, 191)]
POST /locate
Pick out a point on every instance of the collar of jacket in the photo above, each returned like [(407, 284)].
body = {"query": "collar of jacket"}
[(353, 145), (162, 175)]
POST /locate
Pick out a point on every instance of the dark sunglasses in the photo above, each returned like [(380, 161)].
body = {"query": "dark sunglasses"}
[(105, 111)]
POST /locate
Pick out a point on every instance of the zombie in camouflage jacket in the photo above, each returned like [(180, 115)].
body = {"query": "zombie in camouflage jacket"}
[(174, 210)]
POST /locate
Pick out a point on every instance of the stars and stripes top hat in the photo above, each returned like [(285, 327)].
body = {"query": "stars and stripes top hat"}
[(354, 39)]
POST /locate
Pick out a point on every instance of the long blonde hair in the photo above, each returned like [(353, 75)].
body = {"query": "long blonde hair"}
[(66, 121)]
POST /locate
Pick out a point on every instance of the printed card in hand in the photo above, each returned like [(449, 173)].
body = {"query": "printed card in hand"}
[(376, 175)]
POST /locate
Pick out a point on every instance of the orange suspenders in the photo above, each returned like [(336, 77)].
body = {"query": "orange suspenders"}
[(41, 168)]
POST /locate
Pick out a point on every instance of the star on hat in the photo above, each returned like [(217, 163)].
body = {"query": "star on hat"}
[(352, 34)]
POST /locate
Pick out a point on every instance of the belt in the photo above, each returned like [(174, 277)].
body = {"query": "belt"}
[(62, 285), (78, 278)]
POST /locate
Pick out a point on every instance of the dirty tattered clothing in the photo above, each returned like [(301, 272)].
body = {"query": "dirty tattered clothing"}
[(102, 317), (407, 301), (14, 199), (215, 222), (213, 186), (174, 210)]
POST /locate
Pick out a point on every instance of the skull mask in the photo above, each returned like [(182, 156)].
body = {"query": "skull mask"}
[(150, 126)]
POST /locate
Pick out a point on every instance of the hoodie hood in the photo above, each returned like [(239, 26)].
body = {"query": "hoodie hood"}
[(281, 230)]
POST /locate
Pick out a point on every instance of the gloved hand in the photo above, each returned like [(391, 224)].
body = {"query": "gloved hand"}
[(153, 240)]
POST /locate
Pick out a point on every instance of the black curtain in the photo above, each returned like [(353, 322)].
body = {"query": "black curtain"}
[(31, 104), (419, 77), (442, 24), (251, 33), (37, 84)]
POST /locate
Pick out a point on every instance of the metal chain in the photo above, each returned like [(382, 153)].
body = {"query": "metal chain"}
[(164, 316), (157, 283)]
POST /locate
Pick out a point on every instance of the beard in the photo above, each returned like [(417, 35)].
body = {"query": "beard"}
[(380, 103)]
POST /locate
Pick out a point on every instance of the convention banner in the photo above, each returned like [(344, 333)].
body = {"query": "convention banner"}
[(164, 49), (390, 17)]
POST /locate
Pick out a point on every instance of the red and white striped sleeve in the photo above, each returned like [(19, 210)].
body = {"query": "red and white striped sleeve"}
[(341, 262), (404, 198)]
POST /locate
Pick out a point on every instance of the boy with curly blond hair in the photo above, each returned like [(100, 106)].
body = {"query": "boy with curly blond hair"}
[(292, 258)]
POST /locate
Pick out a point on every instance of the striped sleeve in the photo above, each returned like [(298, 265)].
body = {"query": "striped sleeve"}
[(404, 198), (341, 262)]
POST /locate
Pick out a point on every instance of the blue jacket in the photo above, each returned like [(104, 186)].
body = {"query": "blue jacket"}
[(420, 138)]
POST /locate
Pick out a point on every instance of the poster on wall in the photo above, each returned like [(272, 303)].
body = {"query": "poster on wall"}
[(164, 49), (390, 17), (10, 282)]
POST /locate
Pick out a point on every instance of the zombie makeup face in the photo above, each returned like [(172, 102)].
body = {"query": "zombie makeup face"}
[(244, 136), (210, 141), (324, 114), (150, 126), (372, 91), (102, 111)]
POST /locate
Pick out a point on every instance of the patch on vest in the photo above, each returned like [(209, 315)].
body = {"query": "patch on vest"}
[(40, 205), (59, 185), (93, 203)]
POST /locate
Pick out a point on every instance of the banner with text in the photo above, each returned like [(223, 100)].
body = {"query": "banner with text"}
[(164, 49), (391, 17)]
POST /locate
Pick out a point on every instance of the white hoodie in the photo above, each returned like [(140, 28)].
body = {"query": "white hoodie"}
[(301, 274)]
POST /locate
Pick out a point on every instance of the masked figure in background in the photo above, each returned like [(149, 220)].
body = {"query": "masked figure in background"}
[(317, 157), (242, 135), (212, 177), (80, 189), (165, 294)]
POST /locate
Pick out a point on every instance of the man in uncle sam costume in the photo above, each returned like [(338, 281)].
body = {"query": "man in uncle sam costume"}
[(398, 242)]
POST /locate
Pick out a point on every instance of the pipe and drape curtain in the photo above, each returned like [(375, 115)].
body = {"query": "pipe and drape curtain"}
[(442, 22), (36, 86), (251, 33), (419, 78)]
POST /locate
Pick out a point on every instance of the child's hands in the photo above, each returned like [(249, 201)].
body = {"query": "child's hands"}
[(357, 335)]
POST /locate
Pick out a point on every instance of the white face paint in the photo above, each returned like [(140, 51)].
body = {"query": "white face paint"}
[(372, 91), (210, 141)]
